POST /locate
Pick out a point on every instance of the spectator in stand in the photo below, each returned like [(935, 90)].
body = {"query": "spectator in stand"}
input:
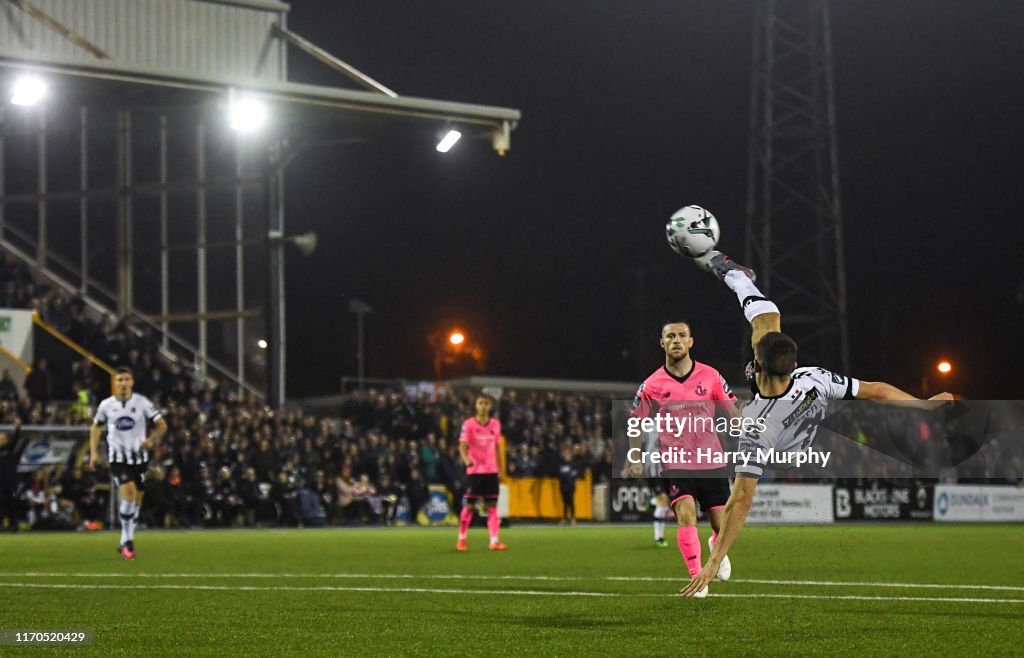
[(158, 503), (285, 497), (227, 503), (523, 465), (568, 472), (37, 382), (453, 474), (416, 492), (10, 449), (8, 389), (345, 510)]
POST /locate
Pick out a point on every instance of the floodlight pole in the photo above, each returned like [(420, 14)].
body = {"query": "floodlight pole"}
[(280, 156)]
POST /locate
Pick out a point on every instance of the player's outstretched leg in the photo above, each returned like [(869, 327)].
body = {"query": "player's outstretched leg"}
[(762, 313)]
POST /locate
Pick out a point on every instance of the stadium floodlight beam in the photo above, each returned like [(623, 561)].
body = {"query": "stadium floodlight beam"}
[(28, 90), (262, 344), (246, 114), (448, 141), (456, 338), (944, 367)]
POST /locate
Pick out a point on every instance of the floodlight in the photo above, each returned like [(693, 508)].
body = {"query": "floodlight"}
[(448, 141), (28, 90), (247, 114)]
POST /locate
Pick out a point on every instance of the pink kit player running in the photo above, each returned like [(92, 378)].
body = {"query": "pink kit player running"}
[(479, 443)]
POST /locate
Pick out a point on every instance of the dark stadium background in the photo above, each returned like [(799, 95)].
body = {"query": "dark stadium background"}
[(629, 112)]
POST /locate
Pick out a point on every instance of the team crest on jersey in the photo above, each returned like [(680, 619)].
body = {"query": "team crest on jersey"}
[(700, 390), (125, 423)]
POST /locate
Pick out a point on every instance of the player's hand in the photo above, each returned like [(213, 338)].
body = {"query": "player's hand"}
[(468, 462), (945, 397), (91, 464), (147, 444), (630, 470), (702, 579)]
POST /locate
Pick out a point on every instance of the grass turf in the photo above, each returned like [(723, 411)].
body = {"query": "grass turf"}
[(557, 591)]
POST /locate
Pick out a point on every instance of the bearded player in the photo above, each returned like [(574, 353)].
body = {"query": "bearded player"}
[(685, 388), (479, 444)]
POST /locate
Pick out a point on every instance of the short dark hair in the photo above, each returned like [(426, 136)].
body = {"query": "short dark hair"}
[(486, 396), (776, 353), (124, 370), (675, 321)]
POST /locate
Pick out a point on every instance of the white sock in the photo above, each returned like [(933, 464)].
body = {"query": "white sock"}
[(740, 283), (125, 508), (660, 512), (133, 522), (749, 295)]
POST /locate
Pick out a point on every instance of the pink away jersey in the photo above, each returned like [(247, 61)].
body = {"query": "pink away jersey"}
[(483, 445), (696, 395)]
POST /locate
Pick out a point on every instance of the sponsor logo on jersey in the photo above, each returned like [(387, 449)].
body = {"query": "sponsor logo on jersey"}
[(125, 423), (809, 399)]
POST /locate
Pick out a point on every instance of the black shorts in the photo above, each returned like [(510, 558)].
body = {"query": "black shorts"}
[(483, 485), (711, 490), (125, 473)]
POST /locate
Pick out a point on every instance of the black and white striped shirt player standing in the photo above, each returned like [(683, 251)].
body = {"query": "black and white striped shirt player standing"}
[(126, 415)]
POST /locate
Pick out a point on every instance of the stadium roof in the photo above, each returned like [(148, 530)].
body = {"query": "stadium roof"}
[(210, 48)]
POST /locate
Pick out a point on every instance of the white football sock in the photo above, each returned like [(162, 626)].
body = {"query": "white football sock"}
[(125, 508), (660, 512)]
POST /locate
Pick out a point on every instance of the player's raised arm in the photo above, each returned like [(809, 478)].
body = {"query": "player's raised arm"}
[(735, 516), (884, 392)]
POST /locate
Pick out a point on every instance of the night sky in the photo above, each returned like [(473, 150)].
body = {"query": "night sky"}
[(553, 257)]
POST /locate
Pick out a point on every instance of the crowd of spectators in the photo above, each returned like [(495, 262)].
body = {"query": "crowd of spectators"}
[(229, 460), (232, 461)]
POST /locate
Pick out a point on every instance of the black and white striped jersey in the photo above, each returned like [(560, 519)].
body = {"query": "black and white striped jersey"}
[(126, 427), (791, 420)]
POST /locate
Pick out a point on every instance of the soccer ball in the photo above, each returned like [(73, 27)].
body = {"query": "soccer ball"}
[(692, 231)]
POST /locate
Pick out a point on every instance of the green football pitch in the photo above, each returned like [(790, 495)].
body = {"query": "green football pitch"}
[(852, 590)]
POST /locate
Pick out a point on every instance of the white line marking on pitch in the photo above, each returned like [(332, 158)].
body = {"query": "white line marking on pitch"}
[(501, 592), (409, 576)]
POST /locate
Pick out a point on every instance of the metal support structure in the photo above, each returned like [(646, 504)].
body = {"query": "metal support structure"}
[(277, 343), (41, 180), (124, 245), (201, 291), (165, 293), (141, 109), (361, 309), (83, 201), (794, 237), (239, 269)]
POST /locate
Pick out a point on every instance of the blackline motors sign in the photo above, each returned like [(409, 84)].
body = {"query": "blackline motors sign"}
[(883, 500)]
